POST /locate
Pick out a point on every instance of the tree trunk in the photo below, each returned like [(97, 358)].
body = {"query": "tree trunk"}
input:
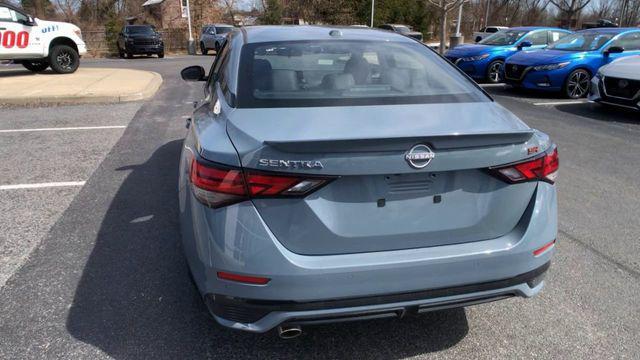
[(443, 31)]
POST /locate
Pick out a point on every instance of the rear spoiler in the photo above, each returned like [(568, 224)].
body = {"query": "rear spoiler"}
[(440, 142)]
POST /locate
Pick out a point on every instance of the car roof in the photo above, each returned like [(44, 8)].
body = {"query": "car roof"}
[(531, 28), (11, 6), (609, 30), (267, 33)]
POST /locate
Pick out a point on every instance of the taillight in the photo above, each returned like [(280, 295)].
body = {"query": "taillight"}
[(540, 168), (217, 185)]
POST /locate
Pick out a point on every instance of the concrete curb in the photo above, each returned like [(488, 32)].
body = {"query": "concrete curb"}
[(148, 92)]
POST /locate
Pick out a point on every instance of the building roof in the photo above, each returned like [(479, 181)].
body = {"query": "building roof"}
[(256, 34)]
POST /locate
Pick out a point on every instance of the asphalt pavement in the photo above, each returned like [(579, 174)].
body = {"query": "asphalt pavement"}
[(103, 275)]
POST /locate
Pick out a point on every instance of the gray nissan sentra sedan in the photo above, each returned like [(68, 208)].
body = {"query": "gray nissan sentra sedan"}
[(337, 174)]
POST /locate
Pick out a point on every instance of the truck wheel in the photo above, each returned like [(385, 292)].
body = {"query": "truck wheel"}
[(203, 49), (36, 66), (161, 55), (120, 53), (64, 59)]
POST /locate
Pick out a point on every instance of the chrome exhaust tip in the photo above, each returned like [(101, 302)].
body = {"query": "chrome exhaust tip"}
[(289, 331)]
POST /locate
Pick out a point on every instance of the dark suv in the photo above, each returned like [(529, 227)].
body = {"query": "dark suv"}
[(138, 40)]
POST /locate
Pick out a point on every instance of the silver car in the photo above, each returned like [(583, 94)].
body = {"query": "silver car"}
[(337, 174), (618, 84), (213, 36)]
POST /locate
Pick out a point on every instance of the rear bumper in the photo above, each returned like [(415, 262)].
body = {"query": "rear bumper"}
[(235, 239), (260, 316)]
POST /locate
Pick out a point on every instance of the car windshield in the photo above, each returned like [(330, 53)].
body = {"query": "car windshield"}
[(140, 30), (508, 37), (331, 73), (402, 29), (223, 29), (585, 41)]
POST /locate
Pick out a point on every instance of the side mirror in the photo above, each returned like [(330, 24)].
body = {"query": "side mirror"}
[(613, 50), (478, 38), (524, 44), (193, 73), (28, 22)]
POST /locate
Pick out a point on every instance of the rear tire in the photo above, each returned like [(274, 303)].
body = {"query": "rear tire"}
[(121, 53), (36, 66), (64, 59), (577, 84), (203, 49), (129, 55), (161, 55), (494, 72)]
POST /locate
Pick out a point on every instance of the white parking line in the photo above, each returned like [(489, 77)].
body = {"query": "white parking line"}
[(65, 128), (552, 103), (42, 185)]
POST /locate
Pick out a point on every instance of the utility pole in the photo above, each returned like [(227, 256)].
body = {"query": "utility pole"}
[(486, 14), (191, 46), (457, 38), (373, 5)]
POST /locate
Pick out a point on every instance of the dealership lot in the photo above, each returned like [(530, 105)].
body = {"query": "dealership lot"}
[(93, 265)]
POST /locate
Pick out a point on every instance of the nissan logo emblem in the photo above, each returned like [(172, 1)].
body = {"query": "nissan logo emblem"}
[(419, 156)]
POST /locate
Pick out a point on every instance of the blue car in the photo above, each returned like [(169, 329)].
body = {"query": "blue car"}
[(335, 174), (484, 61), (567, 65)]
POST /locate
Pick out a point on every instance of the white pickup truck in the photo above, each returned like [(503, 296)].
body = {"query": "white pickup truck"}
[(39, 44), (486, 32)]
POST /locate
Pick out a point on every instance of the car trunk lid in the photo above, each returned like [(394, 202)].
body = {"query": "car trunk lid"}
[(378, 201)]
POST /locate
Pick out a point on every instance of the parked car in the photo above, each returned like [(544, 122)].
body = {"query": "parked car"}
[(335, 174), (568, 65), (405, 30), (140, 40), (618, 83), (39, 44), (213, 36), (485, 60), (487, 31)]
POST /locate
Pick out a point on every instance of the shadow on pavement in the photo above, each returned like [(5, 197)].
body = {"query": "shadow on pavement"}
[(135, 299), (523, 93), (602, 113)]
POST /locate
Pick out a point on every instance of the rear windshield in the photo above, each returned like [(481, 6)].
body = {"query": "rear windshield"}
[(502, 38), (340, 72), (587, 41)]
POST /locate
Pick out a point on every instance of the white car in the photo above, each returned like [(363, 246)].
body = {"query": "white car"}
[(38, 44), (618, 83), (487, 31)]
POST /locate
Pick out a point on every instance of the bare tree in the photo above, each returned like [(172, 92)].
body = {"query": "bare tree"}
[(444, 6), (569, 9), (230, 6)]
